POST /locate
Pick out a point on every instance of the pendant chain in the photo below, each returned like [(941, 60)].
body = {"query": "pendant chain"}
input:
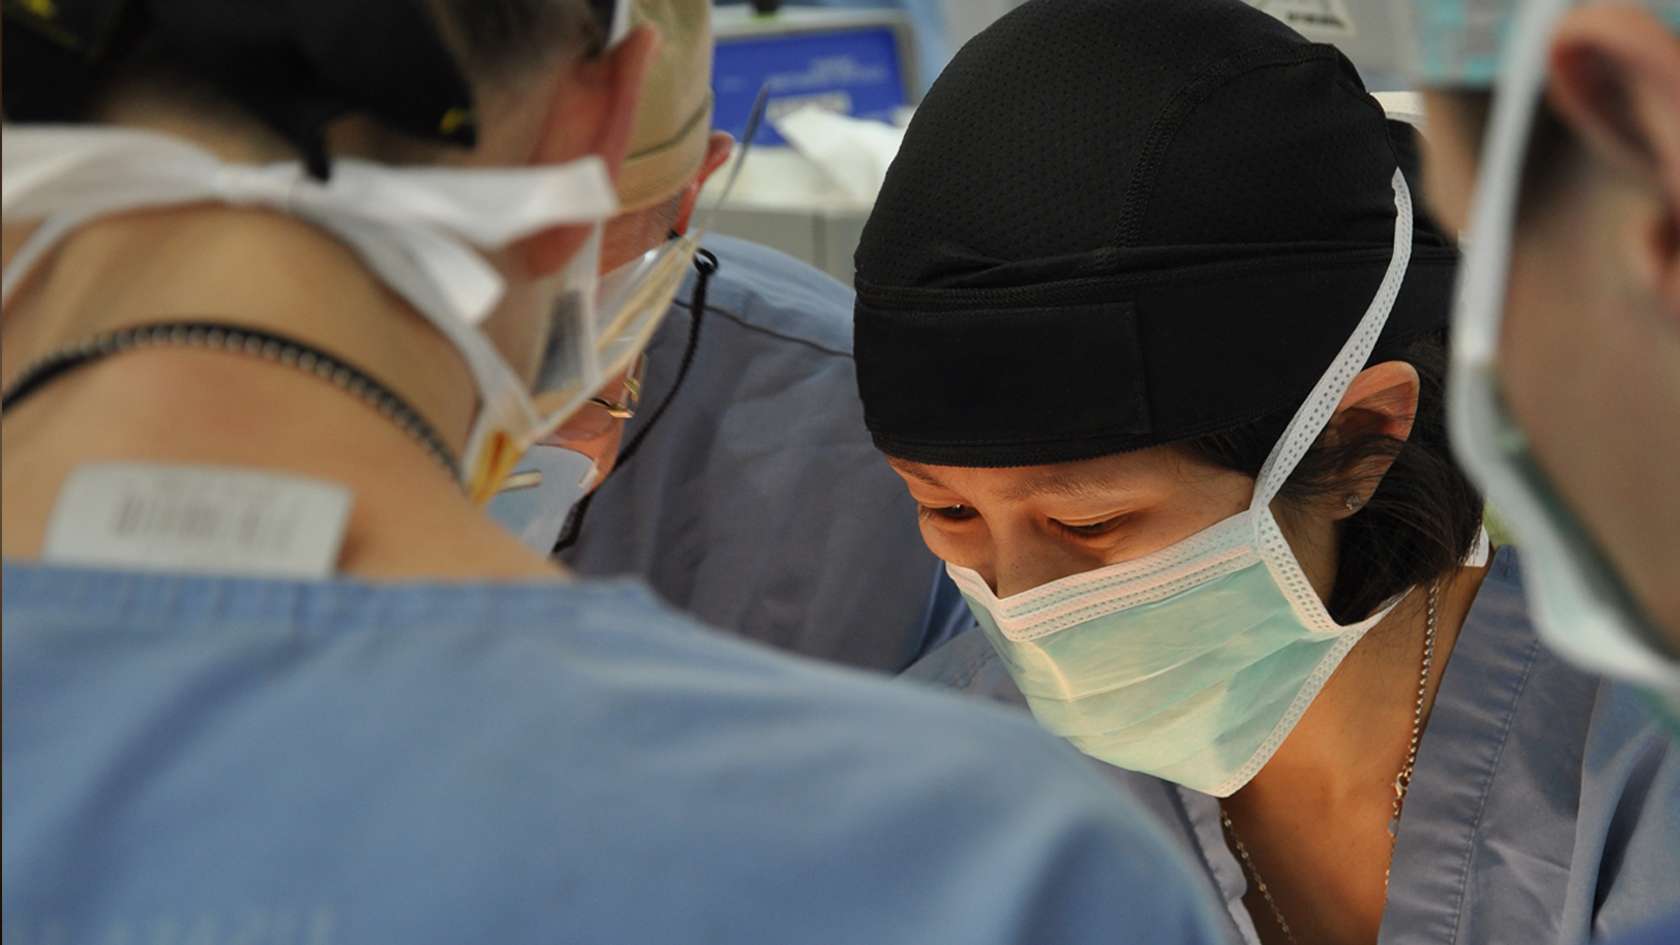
[(1402, 780)]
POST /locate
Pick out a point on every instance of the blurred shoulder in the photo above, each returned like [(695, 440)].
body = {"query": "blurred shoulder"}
[(768, 290)]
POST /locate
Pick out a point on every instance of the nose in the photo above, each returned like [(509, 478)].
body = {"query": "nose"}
[(1025, 561)]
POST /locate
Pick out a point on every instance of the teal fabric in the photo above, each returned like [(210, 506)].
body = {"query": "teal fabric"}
[(1189, 688)]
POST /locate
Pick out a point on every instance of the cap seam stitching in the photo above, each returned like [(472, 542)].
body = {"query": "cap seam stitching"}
[(1170, 121)]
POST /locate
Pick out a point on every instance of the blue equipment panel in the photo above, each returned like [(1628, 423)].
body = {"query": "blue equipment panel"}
[(857, 71)]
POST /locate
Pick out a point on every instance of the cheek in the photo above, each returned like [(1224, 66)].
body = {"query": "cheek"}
[(964, 547), (605, 452), (517, 330), (1550, 368)]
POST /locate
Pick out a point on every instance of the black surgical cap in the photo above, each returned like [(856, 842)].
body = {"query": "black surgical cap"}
[(295, 65), (1119, 224)]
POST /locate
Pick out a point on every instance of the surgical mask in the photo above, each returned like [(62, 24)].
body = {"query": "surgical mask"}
[(420, 230), (1194, 663), (532, 505), (1581, 606)]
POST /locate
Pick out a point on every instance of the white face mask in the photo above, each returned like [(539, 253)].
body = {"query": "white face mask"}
[(419, 229), (1194, 663), (1581, 607)]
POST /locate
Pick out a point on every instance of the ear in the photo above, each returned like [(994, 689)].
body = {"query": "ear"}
[(718, 148), (1381, 401), (1615, 81), (591, 111)]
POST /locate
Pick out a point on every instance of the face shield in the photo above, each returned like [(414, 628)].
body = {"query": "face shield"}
[(596, 336), (598, 328)]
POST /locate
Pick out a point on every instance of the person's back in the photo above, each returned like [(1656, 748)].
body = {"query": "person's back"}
[(759, 504), (195, 758), (272, 675)]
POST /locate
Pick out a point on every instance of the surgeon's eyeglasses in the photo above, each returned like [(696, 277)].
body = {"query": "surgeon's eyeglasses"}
[(599, 415)]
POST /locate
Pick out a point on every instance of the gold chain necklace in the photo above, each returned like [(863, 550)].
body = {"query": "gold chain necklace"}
[(1402, 781)]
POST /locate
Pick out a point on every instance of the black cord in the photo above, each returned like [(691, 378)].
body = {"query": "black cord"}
[(705, 264), (230, 338)]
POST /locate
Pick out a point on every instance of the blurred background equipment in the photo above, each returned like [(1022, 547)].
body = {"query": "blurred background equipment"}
[(845, 75)]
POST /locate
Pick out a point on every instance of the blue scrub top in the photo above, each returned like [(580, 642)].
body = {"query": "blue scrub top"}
[(759, 503), (1545, 806), (1663, 932), (199, 759)]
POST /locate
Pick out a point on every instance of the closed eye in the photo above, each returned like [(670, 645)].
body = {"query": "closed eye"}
[(1094, 529), (947, 513)]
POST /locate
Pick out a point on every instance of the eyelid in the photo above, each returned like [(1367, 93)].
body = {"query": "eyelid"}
[(1094, 529), (943, 512)]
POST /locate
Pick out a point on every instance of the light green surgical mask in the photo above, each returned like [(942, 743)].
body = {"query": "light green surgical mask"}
[(1193, 663)]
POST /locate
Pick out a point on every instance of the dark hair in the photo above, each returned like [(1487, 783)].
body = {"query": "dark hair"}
[(493, 43), (1423, 518)]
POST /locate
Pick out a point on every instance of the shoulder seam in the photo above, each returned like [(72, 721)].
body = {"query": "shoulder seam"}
[(742, 321)]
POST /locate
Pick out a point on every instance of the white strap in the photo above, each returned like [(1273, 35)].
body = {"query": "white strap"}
[(1315, 412), (620, 25), (415, 226)]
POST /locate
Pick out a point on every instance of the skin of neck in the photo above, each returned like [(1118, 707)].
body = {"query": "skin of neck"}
[(1315, 818), (259, 269), (1350, 743)]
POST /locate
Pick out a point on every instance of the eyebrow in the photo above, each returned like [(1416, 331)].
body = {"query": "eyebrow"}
[(1048, 482)]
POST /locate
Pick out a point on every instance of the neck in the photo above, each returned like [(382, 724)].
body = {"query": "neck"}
[(1353, 740), (261, 270)]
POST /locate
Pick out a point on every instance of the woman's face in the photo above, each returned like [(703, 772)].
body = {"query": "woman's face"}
[(1027, 526)]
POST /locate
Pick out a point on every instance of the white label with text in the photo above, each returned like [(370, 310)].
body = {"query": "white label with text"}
[(198, 519)]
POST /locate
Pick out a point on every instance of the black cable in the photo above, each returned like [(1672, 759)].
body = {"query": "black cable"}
[(705, 264)]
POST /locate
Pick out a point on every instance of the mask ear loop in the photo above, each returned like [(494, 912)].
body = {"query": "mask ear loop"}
[(705, 263), (1315, 412), (1311, 419)]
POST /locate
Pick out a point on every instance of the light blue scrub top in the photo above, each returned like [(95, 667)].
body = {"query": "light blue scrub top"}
[(1663, 932), (759, 503), (1545, 807), (194, 759)]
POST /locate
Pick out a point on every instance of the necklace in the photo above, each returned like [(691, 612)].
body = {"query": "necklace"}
[(1402, 780), (236, 339)]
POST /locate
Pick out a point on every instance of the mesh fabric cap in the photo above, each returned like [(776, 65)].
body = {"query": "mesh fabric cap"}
[(1119, 224)]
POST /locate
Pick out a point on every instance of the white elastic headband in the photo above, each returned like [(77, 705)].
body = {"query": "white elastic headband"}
[(419, 229)]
